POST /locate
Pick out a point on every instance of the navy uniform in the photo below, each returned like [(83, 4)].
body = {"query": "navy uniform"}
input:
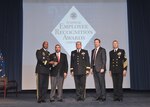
[(42, 71), (79, 65), (118, 63)]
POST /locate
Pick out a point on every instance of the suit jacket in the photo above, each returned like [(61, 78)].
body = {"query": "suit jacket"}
[(100, 60), (80, 62), (117, 60), (43, 58), (61, 67)]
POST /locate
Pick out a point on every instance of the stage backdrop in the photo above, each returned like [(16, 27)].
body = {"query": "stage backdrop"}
[(68, 21)]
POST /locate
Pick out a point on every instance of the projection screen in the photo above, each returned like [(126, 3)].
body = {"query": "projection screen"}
[(66, 21)]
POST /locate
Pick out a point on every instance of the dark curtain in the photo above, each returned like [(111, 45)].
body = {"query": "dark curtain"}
[(139, 47), (11, 38)]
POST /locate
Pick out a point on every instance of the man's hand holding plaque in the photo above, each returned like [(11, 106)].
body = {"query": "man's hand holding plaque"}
[(53, 63)]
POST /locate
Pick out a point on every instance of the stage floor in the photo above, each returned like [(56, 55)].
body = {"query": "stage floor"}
[(28, 99)]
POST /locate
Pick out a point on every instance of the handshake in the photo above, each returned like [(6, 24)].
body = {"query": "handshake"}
[(53, 63)]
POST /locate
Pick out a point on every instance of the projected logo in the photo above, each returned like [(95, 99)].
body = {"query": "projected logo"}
[(72, 28)]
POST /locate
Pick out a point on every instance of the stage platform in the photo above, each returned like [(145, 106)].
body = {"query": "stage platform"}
[(28, 99)]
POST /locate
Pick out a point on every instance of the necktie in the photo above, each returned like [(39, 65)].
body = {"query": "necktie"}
[(94, 55), (58, 57)]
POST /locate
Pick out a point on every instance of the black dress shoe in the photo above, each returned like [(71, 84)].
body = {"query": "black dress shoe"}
[(118, 99), (115, 99), (43, 101), (39, 101), (60, 100), (121, 100), (103, 99), (98, 98), (82, 99), (51, 100), (78, 99)]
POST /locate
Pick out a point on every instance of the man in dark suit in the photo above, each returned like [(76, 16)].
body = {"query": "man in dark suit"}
[(42, 71), (58, 73), (98, 65), (118, 67), (80, 67)]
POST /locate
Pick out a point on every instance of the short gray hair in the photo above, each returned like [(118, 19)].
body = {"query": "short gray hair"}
[(78, 42)]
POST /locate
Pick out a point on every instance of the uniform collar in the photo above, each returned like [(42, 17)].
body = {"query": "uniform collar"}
[(115, 50), (44, 49), (79, 50)]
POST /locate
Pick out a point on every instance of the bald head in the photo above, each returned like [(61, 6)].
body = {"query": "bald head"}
[(45, 45)]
